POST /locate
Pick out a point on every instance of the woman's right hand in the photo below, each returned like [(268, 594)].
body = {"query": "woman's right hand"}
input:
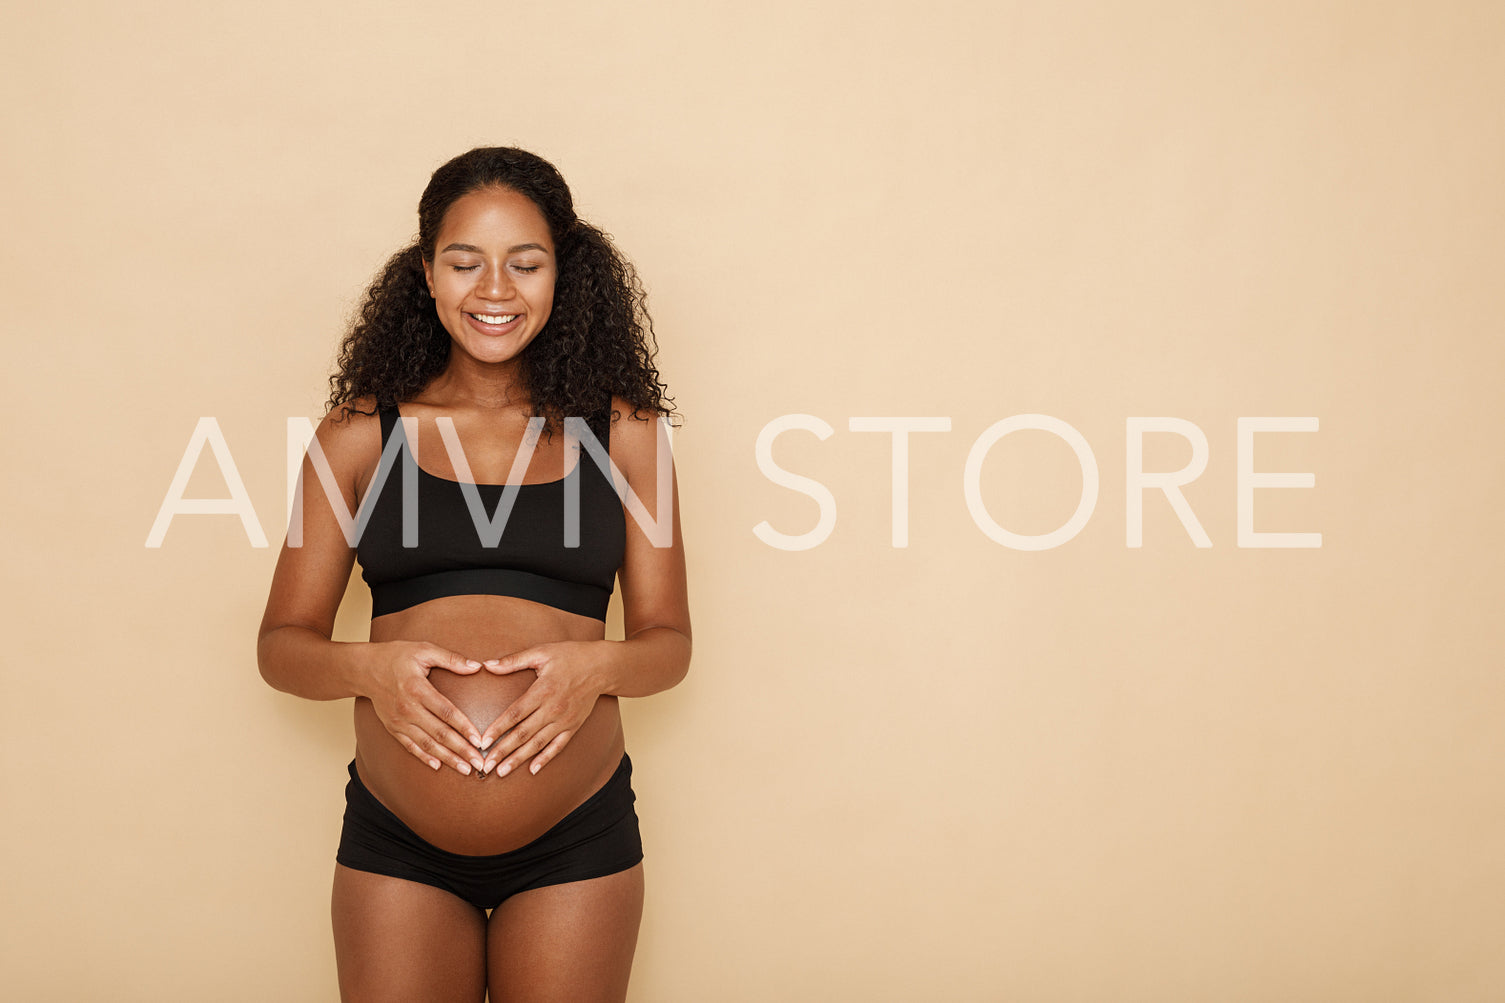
[(414, 711)]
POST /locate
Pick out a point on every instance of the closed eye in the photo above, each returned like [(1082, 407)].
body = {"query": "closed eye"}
[(465, 268)]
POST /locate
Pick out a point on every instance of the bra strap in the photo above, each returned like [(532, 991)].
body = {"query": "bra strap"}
[(388, 417)]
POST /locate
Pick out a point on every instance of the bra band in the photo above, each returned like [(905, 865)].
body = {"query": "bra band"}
[(573, 597)]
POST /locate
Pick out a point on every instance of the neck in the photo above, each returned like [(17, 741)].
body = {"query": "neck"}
[(488, 385)]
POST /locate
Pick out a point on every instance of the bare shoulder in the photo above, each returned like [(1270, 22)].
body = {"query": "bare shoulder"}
[(634, 434), (350, 437)]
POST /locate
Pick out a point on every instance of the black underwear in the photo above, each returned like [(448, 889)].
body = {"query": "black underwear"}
[(598, 838)]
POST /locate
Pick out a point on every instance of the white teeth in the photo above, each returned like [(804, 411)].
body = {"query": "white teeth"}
[(501, 318)]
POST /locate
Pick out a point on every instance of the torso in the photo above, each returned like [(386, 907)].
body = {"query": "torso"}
[(466, 814)]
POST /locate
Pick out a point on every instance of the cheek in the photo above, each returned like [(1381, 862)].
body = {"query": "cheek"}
[(544, 298), (448, 295)]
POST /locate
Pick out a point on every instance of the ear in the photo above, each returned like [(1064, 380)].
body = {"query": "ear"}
[(428, 275)]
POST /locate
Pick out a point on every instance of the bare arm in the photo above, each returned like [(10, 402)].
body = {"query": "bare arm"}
[(294, 649), (655, 593)]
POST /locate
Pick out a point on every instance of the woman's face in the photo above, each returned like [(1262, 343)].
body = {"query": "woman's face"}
[(492, 277)]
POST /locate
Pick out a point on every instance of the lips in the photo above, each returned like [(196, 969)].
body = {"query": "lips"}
[(494, 323)]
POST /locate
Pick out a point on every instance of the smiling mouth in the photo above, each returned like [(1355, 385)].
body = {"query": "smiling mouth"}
[(496, 318)]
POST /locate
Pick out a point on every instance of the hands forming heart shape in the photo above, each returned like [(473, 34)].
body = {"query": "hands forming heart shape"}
[(534, 728)]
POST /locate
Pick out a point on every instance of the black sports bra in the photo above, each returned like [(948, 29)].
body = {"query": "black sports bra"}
[(447, 552)]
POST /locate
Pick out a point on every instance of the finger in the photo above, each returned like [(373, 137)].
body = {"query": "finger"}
[(531, 747), (520, 710), (439, 705), (431, 753), (508, 743), (525, 659), (433, 748), (412, 746), (401, 725), (424, 709), (497, 731), (437, 750), (456, 749), (445, 659), (550, 751)]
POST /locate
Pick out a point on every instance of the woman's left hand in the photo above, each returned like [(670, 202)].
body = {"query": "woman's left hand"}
[(541, 721)]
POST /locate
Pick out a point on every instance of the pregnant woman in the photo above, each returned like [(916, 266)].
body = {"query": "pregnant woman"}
[(494, 456)]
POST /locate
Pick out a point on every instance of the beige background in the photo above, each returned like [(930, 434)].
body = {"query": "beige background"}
[(954, 771)]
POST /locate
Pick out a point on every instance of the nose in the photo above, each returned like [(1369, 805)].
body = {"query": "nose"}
[(496, 285)]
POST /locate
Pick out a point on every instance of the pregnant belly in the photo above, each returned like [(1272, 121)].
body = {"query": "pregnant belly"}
[(471, 815)]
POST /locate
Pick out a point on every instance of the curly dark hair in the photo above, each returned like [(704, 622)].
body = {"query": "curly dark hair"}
[(598, 341)]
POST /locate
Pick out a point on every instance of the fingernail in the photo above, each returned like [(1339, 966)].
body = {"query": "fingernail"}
[(485, 745), (493, 661), (472, 663), (465, 768), (434, 763), (535, 768), (480, 767), (476, 741), (505, 769)]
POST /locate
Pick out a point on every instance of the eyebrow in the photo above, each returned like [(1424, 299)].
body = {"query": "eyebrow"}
[(473, 249)]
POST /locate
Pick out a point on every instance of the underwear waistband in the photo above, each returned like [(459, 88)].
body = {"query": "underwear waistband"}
[(605, 807)]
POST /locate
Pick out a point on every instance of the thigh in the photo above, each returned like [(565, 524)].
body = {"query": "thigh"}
[(570, 943), (404, 941)]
